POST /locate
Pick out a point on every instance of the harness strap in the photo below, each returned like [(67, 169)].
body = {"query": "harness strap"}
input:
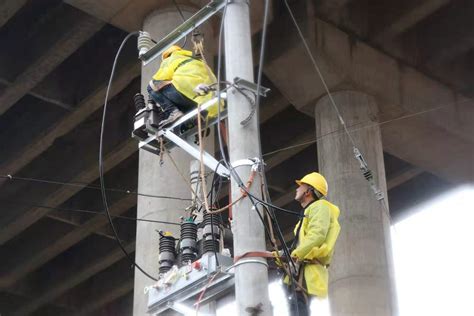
[(184, 62)]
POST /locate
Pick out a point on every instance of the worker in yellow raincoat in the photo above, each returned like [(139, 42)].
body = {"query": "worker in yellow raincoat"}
[(315, 237), (180, 84)]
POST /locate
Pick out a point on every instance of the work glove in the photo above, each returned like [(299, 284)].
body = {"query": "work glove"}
[(202, 89), (278, 254)]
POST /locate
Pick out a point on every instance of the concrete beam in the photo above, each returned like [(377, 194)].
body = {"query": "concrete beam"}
[(400, 90), (106, 287), (42, 142), (447, 35), (286, 154), (44, 253), (67, 44), (42, 96), (60, 286), (61, 217), (277, 189), (272, 107), (284, 199), (8, 8), (129, 15), (402, 177), (412, 12), (13, 226), (448, 156), (108, 297), (333, 10), (122, 306)]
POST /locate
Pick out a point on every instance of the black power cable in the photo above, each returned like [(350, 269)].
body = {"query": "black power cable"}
[(101, 162), (183, 18)]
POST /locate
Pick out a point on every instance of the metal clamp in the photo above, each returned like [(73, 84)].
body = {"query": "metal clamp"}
[(255, 163), (251, 86)]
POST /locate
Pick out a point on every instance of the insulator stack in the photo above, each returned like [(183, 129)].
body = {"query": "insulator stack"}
[(144, 43), (167, 255), (188, 243), (139, 101), (211, 233)]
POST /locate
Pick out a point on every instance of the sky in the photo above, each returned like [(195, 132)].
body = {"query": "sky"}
[(433, 253), (434, 256)]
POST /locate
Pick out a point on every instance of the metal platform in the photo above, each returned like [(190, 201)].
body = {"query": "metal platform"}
[(189, 282), (178, 135)]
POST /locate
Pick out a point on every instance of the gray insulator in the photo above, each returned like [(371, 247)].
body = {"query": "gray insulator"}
[(144, 43)]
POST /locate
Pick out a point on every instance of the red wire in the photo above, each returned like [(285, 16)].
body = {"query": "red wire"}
[(204, 291)]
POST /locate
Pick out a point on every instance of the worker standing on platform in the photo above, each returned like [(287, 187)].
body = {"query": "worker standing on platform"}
[(315, 237), (180, 84)]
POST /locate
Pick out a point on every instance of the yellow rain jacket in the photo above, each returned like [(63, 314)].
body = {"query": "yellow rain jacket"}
[(317, 238), (185, 72)]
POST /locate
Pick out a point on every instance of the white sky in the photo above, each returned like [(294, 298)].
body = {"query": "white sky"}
[(434, 261), (433, 254)]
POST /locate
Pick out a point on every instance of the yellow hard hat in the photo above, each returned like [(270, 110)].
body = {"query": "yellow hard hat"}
[(169, 51), (315, 180)]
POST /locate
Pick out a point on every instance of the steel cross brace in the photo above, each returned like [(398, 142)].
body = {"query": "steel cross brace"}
[(182, 30), (169, 133)]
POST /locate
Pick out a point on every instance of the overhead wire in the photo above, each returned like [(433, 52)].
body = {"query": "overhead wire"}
[(373, 185), (318, 71), (78, 210), (351, 129), (89, 186), (101, 161), (183, 18)]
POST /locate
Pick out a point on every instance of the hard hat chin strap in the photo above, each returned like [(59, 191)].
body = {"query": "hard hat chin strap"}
[(315, 193)]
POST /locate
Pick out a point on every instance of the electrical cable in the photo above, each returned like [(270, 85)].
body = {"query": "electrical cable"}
[(315, 140), (89, 186), (183, 18), (256, 108), (318, 71), (101, 162), (212, 217), (219, 65), (359, 157), (85, 211)]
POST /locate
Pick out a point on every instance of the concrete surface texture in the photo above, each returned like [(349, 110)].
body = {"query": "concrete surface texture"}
[(359, 274)]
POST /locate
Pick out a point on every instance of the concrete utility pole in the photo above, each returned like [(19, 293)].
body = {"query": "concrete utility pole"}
[(251, 275)]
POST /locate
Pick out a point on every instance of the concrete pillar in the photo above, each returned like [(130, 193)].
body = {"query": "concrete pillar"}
[(160, 180), (361, 278)]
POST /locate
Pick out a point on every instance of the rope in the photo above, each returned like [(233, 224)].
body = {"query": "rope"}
[(198, 47), (181, 174), (267, 216), (201, 162)]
